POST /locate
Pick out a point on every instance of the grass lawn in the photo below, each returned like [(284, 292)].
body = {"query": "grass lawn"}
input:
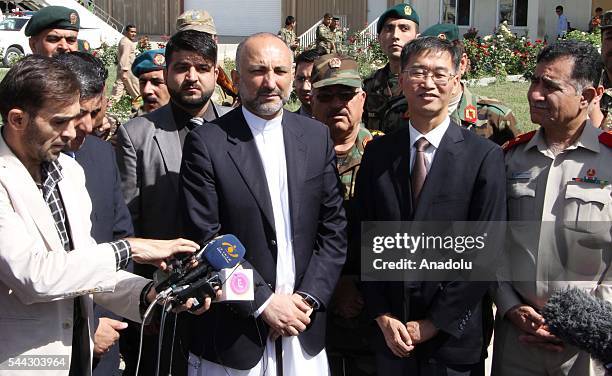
[(513, 94)]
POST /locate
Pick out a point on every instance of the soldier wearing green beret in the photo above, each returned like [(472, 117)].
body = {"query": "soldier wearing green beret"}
[(385, 104), (53, 30), (326, 38), (149, 69), (606, 53), (487, 117), (338, 101)]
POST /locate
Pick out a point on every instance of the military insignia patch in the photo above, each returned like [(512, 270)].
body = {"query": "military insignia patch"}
[(407, 10), (591, 172), (442, 36), (159, 60), (85, 45), (73, 18), (470, 114), (335, 63)]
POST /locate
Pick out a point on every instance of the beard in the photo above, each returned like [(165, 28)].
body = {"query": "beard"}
[(258, 107), (190, 102)]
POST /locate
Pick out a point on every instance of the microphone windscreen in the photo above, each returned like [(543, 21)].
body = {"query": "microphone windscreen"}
[(224, 251), (581, 320)]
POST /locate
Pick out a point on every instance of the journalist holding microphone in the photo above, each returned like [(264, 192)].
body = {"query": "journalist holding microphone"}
[(51, 270)]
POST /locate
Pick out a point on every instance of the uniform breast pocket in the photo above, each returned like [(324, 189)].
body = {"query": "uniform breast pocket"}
[(521, 200), (588, 207)]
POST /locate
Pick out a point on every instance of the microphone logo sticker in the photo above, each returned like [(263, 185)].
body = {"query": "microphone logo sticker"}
[(231, 249), (239, 283)]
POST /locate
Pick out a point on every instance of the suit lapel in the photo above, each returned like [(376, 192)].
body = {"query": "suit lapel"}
[(401, 174), (168, 141), (73, 208), (295, 154), (246, 158), (18, 181), (445, 158)]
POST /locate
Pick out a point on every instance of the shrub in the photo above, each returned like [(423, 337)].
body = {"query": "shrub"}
[(593, 38)]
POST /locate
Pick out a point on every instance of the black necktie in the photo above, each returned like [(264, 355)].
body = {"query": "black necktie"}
[(419, 169)]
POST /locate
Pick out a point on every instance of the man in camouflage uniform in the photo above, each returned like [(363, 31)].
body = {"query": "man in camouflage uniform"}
[(338, 34), (326, 39), (385, 104), (487, 117), (606, 52), (338, 102), (287, 34)]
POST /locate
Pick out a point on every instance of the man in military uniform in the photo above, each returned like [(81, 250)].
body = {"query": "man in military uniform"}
[(149, 68), (338, 34), (560, 208), (326, 39), (200, 20), (606, 52), (53, 30), (385, 104), (487, 117), (126, 54), (338, 102), (287, 34)]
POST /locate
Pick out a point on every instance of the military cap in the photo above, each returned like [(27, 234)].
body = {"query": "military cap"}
[(335, 69), (149, 61), (606, 20), (446, 31), (405, 11), (83, 45), (198, 20), (53, 17)]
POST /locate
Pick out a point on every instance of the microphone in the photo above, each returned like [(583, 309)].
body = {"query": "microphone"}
[(222, 252), (583, 321)]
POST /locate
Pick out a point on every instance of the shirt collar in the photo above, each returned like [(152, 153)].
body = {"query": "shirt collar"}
[(260, 125), (434, 136), (588, 139), (51, 174)]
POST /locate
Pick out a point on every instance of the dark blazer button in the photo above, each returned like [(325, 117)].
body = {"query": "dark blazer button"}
[(273, 242)]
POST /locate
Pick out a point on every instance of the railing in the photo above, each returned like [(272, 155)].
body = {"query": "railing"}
[(309, 36), (368, 34), (101, 14)]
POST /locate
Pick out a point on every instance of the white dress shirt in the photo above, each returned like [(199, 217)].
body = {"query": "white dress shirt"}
[(434, 137), (268, 135)]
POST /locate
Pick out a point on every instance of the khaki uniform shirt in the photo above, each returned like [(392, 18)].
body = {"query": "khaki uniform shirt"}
[(326, 39), (385, 107), (573, 242)]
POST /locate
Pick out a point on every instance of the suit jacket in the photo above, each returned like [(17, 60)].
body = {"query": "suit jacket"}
[(38, 279), (224, 190), (466, 182), (110, 219)]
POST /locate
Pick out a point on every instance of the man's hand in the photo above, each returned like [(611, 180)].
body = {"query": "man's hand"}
[(347, 301), (286, 315), (396, 335), (106, 335), (421, 330), (154, 252), (535, 332), (152, 294)]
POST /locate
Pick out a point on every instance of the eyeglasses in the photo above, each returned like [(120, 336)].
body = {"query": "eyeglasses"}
[(420, 75), (344, 96)]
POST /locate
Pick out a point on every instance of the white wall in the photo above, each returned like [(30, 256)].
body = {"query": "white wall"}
[(578, 13)]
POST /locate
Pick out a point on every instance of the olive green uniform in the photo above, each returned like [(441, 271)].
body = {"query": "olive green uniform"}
[(326, 39), (606, 108), (287, 36), (348, 164), (385, 105), (487, 117)]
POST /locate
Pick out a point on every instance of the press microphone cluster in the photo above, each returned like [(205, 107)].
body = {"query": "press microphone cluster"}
[(583, 321), (183, 281)]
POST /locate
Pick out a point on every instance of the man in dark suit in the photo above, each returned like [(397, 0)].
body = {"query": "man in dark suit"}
[(302, 82), (110, 218), (149, 150), (269, 177), (432, 170)]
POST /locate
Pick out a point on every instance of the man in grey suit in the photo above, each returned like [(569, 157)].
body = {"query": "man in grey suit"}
[(149, 152)]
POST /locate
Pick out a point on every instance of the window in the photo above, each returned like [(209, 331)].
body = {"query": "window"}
[(513, 11), (456, 12)]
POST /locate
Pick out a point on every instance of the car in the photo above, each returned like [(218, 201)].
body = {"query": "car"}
[(13, 41)]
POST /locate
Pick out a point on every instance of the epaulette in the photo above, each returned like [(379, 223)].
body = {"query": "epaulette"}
[(520, 139), (606, 139)]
